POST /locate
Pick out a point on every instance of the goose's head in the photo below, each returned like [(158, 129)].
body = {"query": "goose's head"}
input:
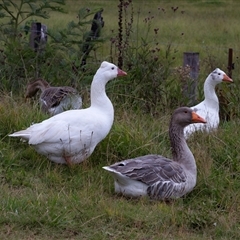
[(184, 116), (218, 76), (109, 71)]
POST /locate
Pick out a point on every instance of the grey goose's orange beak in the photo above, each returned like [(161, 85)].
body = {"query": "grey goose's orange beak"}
[(121, 73), (197, 119), (226, 78)]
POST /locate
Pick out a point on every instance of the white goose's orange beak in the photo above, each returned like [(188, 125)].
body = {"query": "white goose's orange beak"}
[(226, 78), (197, 119), (121, 73)]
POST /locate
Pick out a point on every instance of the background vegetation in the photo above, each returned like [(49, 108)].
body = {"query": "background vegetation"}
[(42, 200)]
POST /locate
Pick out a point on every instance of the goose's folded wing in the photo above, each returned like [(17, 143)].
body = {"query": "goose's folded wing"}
[(164, 177), (61, 131), (150, 169), (54, 95)]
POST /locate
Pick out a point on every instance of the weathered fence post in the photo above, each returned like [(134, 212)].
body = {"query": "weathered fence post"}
[(96, 27), (224, 112), (191, 59), (38, 36), (230, 62), (38, 40)]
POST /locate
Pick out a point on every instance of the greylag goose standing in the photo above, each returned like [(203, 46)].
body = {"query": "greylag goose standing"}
[(156, 176), (54, 100), (209, 107), (71, 136)]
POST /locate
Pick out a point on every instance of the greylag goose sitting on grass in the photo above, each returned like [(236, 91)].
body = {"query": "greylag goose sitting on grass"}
[(209, 107), (156, 176), (54, 100), (71, 136)]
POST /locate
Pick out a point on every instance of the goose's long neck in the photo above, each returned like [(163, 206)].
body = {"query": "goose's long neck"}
[(33, 87), (180, 150), (40, 85), (99, 98), (210, 93)]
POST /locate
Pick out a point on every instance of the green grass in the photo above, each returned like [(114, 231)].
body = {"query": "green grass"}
[(43, 200)]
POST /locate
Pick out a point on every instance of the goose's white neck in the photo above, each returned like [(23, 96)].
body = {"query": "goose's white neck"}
[(99, 98), (180, 150), (210, 93)]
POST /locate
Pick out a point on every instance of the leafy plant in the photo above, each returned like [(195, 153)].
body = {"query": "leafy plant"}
[(60, 59), (17, 58)]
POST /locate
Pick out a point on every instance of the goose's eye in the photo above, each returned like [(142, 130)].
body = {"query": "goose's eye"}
[(219, 73), (185, 111), (112, 68)]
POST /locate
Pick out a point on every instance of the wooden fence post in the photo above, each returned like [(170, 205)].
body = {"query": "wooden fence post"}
[(191, 59), (38, 36), (230, 62), (97, 25), (38, 40), (224, 112)]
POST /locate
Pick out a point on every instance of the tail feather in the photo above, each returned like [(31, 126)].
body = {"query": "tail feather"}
[(109, 169), (23, 134)]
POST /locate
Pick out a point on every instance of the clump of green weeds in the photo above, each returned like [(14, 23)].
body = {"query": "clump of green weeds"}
[(150, 66), (61, 58)]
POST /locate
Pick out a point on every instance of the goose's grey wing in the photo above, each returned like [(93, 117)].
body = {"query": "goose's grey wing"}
[(163, 176), (52, 96)]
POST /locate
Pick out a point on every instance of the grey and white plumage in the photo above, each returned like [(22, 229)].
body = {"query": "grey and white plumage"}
[(156, 176), (54, 100), (71, 136), (209, 107)]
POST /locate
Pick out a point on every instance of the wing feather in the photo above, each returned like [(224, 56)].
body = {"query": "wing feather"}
[(54, 95), (163, 176)]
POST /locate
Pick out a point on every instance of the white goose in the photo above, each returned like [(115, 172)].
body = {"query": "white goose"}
[(209, 107), (54, 100), (158, 177), (71, 136)]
